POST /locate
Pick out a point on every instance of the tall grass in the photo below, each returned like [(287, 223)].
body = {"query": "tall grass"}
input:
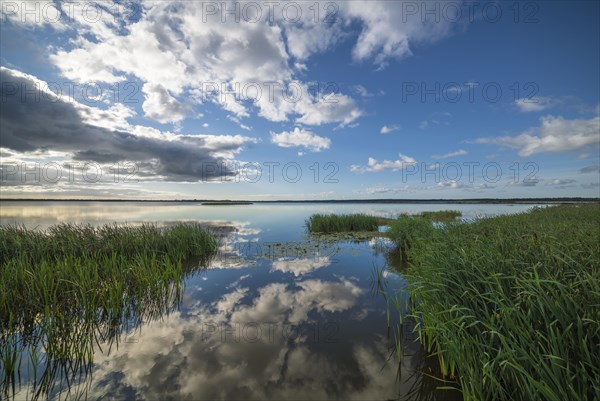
[(336, 223), (69, 288), (442, 215), (408, 231), (511, 305)]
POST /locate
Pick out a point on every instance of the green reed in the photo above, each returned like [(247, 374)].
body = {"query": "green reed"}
[(442, 215), (69, 288), (337, 223), (406, 231), (510, 305)]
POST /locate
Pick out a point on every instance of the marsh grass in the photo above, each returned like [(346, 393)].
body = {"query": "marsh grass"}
[(408, 231), (510, 305), (424, 374), (340, 223), (70, 288), (442, 215)]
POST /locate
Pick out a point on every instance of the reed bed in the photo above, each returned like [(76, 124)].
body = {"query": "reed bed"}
[(407, 230), (72, 287), (442, 215), (510, 305), (337, 223)]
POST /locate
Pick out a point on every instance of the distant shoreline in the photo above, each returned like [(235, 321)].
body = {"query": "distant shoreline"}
[(398, 201)]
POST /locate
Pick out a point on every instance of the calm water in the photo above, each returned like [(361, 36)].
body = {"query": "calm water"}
[(277, 315)]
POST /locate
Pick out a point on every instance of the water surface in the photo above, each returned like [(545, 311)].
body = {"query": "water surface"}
[(277, 315)]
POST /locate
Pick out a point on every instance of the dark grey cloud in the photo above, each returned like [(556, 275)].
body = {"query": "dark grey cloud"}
[(31, 120), (590, 169), (527, 182)]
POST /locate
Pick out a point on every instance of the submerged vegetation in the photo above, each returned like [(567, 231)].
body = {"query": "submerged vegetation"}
[(338, 223), (510, 305), (71, 287)]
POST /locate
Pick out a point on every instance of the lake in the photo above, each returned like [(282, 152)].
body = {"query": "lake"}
[(276, 315)]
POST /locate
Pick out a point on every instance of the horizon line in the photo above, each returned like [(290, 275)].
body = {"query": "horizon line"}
[(375, 200)]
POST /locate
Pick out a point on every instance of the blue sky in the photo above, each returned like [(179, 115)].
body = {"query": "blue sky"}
[(388, 99)]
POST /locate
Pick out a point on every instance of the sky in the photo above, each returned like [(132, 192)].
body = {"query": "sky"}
[(271, 100)]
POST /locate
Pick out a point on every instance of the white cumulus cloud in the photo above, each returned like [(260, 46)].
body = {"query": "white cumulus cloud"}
[(300, 138), (374, 166), (459, 152), (391, 128), (555, 134), (535, 104)]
